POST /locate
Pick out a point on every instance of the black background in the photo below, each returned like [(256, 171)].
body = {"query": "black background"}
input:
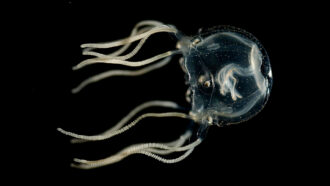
[(261, 150)]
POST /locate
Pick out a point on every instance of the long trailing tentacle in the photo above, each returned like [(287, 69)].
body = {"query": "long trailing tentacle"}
[(125, 128), (115, 59), (131, 114), (145, 149), (157, 29), (124, 62), (147, 25), (153, 150), (141, 32), (88, 51), (175, 144), (164, 160), (112, 73)]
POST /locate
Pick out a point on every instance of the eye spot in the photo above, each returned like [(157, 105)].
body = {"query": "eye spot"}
[(201, 79), (209, 120), (207, 84), (188, 95), (196, 41)]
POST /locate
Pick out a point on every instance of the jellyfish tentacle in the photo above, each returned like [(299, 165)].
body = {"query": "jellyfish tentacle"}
[(112, 73), (136, 30), (164, 160), (124, 62), (139, 149), (131, 114), (175, 144), (88, 51), (125, 128), (114, 58), (157, 29)]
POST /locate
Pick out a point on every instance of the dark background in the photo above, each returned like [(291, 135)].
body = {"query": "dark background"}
[(261, 150)]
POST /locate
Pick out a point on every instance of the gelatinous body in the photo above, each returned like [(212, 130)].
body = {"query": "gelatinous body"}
[(227, 70), (229, 74)]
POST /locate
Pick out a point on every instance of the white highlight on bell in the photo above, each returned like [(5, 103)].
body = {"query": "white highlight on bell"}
[(270, 74), (255, 65)]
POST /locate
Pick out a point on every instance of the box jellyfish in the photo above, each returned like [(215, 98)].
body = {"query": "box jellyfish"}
[(227, 70)]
